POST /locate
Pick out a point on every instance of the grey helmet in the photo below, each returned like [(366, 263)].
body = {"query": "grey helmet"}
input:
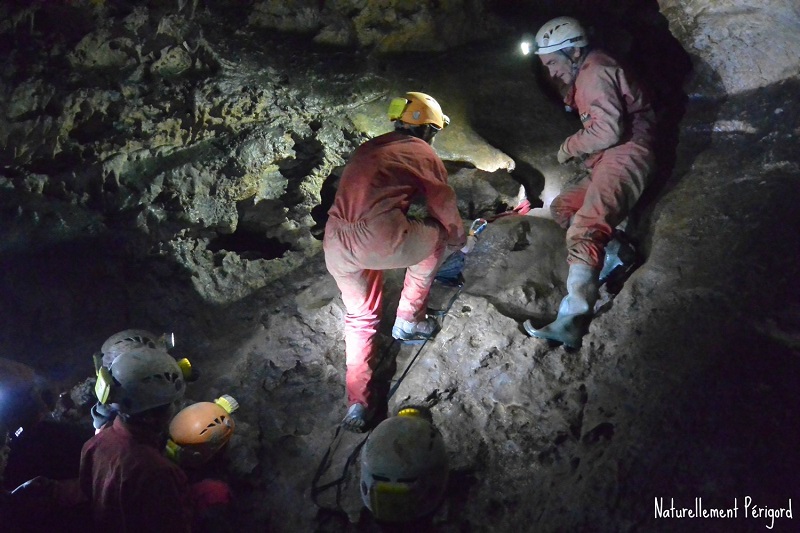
[(127, 340), (403, 468), (145, 378)]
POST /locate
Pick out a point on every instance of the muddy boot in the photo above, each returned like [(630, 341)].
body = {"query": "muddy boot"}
[(357, 419), (575, 311), (414, 332)]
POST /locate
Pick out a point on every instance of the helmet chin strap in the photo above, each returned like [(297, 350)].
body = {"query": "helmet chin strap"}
[(574, 63), (426, 132)]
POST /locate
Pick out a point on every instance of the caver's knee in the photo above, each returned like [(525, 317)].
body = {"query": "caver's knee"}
[(561, 211)]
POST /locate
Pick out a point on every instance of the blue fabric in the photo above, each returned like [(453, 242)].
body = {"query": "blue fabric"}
[(450, 271)]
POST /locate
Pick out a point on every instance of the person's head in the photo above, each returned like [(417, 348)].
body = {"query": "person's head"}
[(127, 340), (561, 44), (26, 398), (404, 468), (200, 430), (142, 385), (418, 114), (134, 339)]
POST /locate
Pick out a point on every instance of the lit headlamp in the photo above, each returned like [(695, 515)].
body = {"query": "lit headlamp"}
[(528, 44)]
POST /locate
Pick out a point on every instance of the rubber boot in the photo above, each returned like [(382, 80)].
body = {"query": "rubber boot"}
[(575, 311), (620, 257), (357, 419)]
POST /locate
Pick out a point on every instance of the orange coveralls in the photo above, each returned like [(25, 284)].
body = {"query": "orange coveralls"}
[(618, 123), (368, 232)]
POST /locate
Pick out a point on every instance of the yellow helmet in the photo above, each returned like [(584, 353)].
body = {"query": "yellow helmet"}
[(418, 109)]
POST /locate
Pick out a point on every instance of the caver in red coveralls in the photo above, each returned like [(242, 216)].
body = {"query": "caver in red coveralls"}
[(130, 483), (368, 232), (616, 136)]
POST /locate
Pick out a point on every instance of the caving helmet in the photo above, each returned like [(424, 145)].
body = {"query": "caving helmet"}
[(133, 339), (418, 109), (140, 379), (200, 430), (404, 467), (560, 33), (126, 340)]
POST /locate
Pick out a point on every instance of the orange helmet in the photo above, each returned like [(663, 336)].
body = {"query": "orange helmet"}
[(200, 430), (418, 109)]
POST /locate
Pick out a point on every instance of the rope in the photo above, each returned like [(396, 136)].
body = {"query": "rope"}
[(477, 227), (440, 313), (316, 489), (325, 463)]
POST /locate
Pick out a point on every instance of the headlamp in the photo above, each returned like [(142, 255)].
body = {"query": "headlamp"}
[(528, 44), (397, 107), (169, 340)]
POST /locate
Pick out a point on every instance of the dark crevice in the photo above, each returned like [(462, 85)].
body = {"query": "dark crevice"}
[(320, 212), (250, 245)]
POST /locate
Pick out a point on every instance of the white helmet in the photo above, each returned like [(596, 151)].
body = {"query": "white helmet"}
[(403, 468), (141, 379), (129, 339), (560, 33)]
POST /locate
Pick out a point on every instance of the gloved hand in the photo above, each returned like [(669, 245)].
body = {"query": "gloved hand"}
[(471, 240), (562, 155), (523, 207)]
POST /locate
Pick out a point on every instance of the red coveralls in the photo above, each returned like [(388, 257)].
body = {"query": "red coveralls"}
[(617, 134), (368, 232), (132, 486)]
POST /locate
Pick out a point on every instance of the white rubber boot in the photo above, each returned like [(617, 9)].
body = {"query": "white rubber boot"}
[(575, 311), (620, 257)]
